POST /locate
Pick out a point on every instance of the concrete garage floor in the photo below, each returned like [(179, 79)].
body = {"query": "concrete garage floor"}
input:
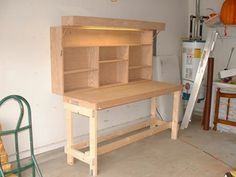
[(196, 153)]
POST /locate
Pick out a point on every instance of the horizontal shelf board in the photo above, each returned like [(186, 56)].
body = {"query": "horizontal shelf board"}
[(138, 79), (139, 67), (107, 45), (111, 84), (79, 71), (112, 61)]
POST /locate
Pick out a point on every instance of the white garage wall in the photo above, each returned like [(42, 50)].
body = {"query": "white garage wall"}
[(25, 57)]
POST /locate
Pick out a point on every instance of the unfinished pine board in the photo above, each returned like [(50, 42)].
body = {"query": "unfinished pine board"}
[(80, 58), (175, 115), (140, 55), (115, 134), (79, 80), (76, 37), (57, 65), (112, 23), (113, 53), (133, 138), (93, 143), (112, 73), (114, 96), (138, 73)]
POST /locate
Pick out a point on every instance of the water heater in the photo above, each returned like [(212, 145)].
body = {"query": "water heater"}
[(191, 56)]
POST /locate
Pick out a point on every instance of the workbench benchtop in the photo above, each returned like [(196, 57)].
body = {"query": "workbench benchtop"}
[(105, 97)]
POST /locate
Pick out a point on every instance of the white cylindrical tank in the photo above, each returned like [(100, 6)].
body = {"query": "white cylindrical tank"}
[(192, 51)]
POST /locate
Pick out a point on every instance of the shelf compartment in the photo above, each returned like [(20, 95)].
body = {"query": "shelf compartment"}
[(80, 58), (80, 80), (140, 74), (114, 52), (140, 55), (75, 37), (113, 73)]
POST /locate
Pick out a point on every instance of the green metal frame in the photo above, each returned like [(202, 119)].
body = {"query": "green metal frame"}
[(22, 102)]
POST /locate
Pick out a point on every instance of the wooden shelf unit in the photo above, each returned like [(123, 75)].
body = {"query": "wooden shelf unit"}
[(107, 53), (100, 63)]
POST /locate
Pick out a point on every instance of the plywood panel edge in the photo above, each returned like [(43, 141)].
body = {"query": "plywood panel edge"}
[(56, 60), (110, 22)]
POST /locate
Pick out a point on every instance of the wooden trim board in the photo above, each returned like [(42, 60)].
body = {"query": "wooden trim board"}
[(111, 23)]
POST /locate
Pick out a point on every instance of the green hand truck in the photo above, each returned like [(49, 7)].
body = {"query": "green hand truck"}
[(19, 168)]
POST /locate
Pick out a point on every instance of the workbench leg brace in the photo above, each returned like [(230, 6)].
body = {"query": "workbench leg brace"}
[(149, 127)]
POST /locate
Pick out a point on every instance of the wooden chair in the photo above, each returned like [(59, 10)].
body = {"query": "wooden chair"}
[(229, 96)]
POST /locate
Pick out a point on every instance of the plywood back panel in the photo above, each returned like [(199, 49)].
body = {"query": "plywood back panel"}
[(140, 55), (76, 81), (80, 58), (75, 37), (109, 53), (112, 73), (141, 73)]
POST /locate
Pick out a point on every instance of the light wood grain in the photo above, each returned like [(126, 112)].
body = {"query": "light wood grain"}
[(111, 73), (133, 138), (115, 134), (78, 155), (175, 115), (153, 111), (108, 22), (93, 143), (131, 92), (119, 52), (56, 60), (70, 137), (74, 37), (80, 58), (140, 72)]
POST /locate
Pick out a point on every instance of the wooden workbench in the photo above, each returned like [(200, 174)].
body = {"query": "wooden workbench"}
[(88, 101)]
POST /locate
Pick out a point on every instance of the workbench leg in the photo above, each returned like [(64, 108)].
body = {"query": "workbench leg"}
[(93, 143), (175, 115), (153, 112), (69, 124)]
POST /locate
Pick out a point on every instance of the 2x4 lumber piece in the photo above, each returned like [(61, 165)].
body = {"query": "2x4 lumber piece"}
[(153, 111), (111, 23), (70, 135), (93, 144), (78, 109), (78, 155), (133, 138), (116, 134), (175, 115)]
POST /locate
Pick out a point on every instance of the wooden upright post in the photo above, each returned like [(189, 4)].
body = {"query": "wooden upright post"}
[(153, 111), (207, 107), (69, 124), (175, 115), (93, 143)]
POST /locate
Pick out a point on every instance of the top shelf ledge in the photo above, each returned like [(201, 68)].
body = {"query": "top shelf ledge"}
[(116, 24)]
